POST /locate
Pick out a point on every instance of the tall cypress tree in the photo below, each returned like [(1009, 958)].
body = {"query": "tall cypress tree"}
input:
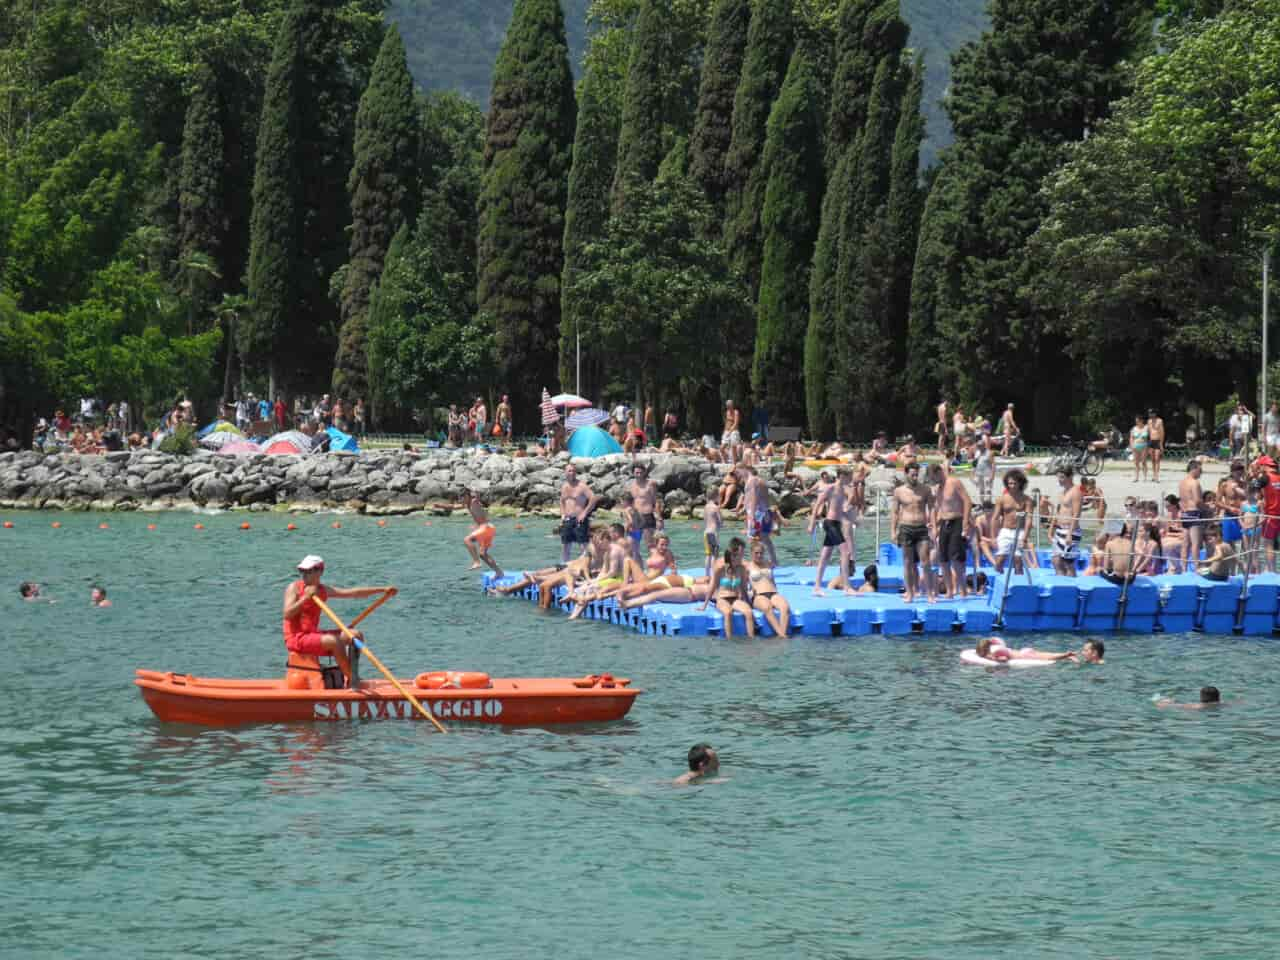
[(902, 216), (861, 383), (721, 70), (640, 148), (384, 192), (867, 31), (527, 155), (202, 218), (300, 207), (764, 66), (595, 150), (792, 162), (935, 269), (1041, 78), (276, 224)]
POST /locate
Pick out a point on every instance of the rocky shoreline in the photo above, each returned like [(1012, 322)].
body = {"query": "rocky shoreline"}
[(378, 483)]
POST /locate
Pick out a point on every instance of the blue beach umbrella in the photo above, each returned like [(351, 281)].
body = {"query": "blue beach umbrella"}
[(592, 442), (341, 441)]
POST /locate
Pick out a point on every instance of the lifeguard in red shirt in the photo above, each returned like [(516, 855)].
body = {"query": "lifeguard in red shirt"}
[(302, 633)]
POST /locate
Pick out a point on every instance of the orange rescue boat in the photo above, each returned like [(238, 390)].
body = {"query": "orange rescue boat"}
[(464, 697)]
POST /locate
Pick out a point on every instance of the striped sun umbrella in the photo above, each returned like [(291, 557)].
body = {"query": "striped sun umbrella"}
[(590, 417), (549, 413)]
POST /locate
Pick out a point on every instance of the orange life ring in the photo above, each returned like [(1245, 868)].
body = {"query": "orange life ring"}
[(452, 680)]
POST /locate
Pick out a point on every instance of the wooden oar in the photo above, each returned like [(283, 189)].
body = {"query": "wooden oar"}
[(387, 595), (360, 644)]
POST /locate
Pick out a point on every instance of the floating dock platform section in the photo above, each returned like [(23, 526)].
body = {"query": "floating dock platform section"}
[(1037, 601)]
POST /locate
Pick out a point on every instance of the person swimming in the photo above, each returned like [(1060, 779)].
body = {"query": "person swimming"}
[(703, 762), (1210, 697)]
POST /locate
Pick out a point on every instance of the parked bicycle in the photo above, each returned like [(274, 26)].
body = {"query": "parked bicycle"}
[(1079, 456)]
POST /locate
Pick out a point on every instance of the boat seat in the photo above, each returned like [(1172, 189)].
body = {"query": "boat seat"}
[(303, 671)]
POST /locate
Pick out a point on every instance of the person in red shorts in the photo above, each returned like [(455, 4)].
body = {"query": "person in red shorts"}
[(1266, 468), (302, 633)]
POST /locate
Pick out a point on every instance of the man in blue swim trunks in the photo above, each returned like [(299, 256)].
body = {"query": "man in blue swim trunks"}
[(1232, 494), (577, 503), (759, 513)]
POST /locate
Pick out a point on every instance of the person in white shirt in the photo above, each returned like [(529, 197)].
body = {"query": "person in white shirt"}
[(1241, 426), (1271, 428)]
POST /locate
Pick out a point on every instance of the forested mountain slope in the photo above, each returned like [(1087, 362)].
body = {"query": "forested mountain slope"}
[(452, 44)]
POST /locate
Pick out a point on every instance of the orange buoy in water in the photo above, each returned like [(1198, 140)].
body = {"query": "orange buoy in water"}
[(244, 526), (292, 526), (519, 526), (199, 526), (56, 524), (151, 526), (336, 525), (382, 523), (8, 524), (427, 524), (103, 526)]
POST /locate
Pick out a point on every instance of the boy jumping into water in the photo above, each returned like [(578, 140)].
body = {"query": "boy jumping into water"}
[(480, 539)]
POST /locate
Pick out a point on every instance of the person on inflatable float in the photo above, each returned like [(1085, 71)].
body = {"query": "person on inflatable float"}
[(993, 648), (302, 633)]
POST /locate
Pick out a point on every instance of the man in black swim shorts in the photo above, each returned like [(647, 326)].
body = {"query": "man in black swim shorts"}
[(576, 504)]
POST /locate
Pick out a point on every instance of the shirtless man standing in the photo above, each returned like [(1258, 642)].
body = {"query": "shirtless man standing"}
[(955, 511), (758, 511), (1231, 496), (830, 505), (503, 415), (910, 523), (1066, 527), (1155, 437), (576, 505), (941, 427), (648, 505), (1191, 500), (1013, 518), (1008, 429)]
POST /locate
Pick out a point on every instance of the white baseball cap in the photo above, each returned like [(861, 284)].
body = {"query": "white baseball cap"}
[(310, 562)]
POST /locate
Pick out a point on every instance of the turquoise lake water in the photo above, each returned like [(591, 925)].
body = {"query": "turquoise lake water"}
[(881, 801)]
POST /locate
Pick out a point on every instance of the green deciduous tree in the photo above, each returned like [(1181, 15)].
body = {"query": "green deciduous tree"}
[(1043, 76), (792, 162), (1151, 243), (661, 291), (384, 192), (527, 156)]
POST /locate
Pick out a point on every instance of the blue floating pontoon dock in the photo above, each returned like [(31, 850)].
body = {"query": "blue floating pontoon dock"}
[(1037, 601)]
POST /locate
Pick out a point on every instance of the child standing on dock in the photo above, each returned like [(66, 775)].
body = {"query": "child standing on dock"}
[(711, 531)]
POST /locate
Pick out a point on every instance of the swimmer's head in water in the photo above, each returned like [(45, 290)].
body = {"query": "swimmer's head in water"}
[(29, 589), (871, 574), (1094, 650), (1210, 695), (703, 759)]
